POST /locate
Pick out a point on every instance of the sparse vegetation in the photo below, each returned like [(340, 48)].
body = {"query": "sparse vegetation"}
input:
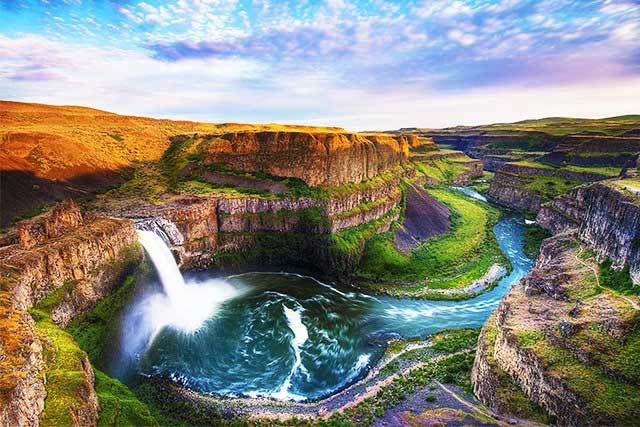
[(618, 280), (533, 237), (451, 260), (609, 398), (455, 340), (548, 187)]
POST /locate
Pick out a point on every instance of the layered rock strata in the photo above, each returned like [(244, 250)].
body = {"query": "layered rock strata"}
[(315, 157), (606, 215), (513, 186), (68, 262), (562, 341)]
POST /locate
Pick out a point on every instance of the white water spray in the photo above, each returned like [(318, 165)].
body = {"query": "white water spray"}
[(163, 261), (300, 336), (183, 306)]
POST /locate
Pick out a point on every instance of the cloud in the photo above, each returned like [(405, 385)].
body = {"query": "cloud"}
[(366, 65), (462, 38), (296, 43)]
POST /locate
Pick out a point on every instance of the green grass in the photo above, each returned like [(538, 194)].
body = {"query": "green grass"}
[(618, 280), (610, 399), (455, 340), (65, 352), (351, 240), (452, 260), (363, 207), (147, 182), (611, 126), (66, 382), (620, 355), (508, 392), (454, 369), (197, 185), (119, 407), (442, 170), (607, 171), (548, 187), (96, 330), (528, 338), (533, 237), (482, 184)]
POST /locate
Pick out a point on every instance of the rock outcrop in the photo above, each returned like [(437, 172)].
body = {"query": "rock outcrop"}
[(594, 151), (558, 338), (526, 186), (66, 262), (606, 216), (210, 227), (509, 189), (22, 391), (315, 157)]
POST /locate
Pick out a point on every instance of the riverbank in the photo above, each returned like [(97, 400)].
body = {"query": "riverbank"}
[(410, 318), (458, 264), (413, 379)]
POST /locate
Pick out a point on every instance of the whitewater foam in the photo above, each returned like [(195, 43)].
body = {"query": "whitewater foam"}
[(300, 336), (183, 306)]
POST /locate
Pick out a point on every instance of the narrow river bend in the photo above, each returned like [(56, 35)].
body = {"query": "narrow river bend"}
[(287, 336)]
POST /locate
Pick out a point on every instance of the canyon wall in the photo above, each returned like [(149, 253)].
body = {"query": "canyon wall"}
[(214, 228), (606, 216), (315, 157), (562, 342), (526, 186), (65, 263), (594, 151), (497, 147)]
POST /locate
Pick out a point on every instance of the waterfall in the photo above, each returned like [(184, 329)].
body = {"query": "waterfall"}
[(183, 305), (164, 263)]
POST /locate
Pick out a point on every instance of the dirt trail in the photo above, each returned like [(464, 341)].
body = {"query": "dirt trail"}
[(596, 273)]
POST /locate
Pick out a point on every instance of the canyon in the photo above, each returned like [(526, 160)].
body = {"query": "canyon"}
[(369, 213)]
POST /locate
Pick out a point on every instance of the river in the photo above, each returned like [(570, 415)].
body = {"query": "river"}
[(288, 336)]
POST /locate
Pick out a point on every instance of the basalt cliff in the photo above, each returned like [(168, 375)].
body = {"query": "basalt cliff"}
[(563, 342), (230, 197), (356, 208), (64, 262), (316, 158), (565, 339)]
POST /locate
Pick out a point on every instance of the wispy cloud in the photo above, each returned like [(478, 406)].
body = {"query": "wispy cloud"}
[(279, 60)]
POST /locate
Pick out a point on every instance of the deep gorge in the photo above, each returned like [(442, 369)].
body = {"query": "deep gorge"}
[(316, 276)]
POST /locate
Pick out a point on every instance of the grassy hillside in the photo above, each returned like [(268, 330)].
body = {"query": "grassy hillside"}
[(559, 126), (451, 260), (48, 153)]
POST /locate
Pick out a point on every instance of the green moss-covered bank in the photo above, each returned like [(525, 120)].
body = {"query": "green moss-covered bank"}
[(77, 392), (452, 260)]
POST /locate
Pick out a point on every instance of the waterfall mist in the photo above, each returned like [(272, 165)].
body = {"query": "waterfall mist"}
[(184, 306)]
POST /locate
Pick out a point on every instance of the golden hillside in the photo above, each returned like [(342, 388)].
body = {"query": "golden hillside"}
[(51, 152)]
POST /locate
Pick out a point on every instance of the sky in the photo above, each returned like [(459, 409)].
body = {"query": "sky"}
[(362, 65)]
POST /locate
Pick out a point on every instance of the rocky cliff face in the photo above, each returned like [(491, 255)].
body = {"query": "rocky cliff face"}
[(316, 158), (496, 147), (606, 216), (558, 338), (594, 150), (22, 390), (211, 226), (527, 186), (67, 262), (509, 189)]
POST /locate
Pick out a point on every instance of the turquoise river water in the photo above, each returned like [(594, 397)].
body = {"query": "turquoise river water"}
[(281, 335)]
